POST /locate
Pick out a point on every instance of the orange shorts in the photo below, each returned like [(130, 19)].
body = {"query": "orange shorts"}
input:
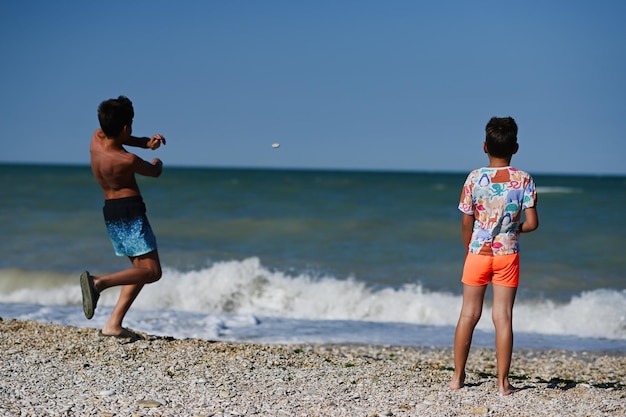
[(482, 269)]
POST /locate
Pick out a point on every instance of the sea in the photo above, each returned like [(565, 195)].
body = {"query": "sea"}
[(314, 256)]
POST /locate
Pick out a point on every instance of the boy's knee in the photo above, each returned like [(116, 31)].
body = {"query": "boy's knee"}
[(155, 275), (501, 318), (150, 266), (471, 317)]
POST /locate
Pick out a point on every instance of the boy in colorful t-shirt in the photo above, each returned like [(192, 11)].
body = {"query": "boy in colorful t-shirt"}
[(492, 203)]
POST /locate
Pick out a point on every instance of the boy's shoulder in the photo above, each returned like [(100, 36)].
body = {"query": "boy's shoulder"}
[(487, 175), (494, 170)]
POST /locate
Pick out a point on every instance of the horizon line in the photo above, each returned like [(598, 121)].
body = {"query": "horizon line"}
[(314, 169)]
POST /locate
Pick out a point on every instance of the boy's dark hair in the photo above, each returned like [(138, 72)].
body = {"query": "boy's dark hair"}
[(114, 114), (501, 137)]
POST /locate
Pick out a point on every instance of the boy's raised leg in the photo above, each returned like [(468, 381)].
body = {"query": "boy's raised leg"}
[(146, 269)]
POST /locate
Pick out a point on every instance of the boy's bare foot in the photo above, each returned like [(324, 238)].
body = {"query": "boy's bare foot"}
[(508, 390), (455, 385), (457, 382)]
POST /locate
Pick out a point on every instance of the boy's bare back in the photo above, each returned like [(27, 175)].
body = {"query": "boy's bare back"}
[(114, 168)]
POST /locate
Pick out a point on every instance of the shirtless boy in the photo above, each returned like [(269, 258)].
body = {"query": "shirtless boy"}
[(124, 211), (492, 203)]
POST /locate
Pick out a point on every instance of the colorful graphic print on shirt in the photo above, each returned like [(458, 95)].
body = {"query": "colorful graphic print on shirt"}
[(496, 198)]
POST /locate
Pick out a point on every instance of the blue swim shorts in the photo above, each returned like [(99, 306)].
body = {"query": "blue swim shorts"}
[(128, 226)]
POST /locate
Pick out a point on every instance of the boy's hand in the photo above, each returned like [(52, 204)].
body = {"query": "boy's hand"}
[(155, 141)]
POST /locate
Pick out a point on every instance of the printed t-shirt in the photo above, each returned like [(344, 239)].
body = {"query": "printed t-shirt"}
[(496, 198)]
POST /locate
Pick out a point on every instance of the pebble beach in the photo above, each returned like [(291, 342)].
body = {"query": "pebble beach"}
[(53, 370)]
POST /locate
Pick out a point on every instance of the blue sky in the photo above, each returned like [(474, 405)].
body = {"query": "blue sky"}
[(377, 85)]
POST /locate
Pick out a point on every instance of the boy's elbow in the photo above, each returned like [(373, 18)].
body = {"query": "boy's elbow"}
[(531, 226), (531, 222)]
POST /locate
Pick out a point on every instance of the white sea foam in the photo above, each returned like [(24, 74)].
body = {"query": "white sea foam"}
[(234, 294), (557, 190)]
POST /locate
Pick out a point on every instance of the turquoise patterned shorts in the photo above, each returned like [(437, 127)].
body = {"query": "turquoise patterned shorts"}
[(128, 226)]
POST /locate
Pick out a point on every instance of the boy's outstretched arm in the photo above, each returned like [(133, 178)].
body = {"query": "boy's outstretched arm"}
[(531, 221), (147, 143), (148, 169)]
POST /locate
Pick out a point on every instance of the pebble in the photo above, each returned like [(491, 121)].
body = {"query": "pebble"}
[(149, 403), (71, 371)]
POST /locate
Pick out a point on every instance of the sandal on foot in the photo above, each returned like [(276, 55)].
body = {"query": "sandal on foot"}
[(90, 294), (124, 334)]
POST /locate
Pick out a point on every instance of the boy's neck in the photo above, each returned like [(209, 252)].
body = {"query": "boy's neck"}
[(110, 142), (499, 162)]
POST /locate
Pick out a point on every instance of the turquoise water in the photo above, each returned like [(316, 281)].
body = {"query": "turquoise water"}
[(365, 247)]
